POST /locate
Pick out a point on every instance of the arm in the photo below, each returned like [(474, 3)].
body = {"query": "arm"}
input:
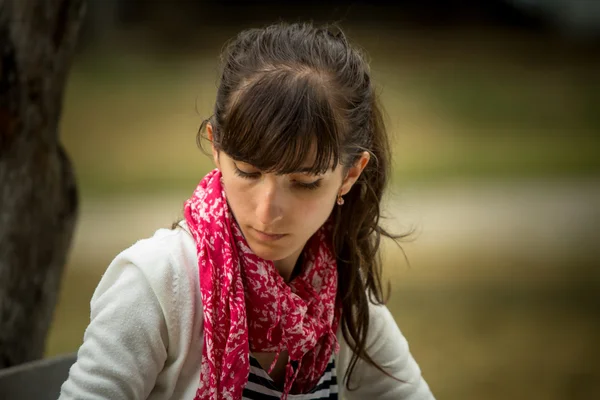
[(125, 343), (388, 348)]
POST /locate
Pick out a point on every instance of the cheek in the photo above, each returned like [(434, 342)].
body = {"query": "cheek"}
[(238, 195), (313, 211)]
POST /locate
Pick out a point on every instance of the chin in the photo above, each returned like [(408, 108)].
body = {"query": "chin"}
[(267, 252)]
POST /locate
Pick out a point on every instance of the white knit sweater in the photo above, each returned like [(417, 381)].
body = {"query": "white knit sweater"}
[(144, 340)]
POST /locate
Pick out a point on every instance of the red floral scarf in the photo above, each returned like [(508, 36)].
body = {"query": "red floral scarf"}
[(249, 307)]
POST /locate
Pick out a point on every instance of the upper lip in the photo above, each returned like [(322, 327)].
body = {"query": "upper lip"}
[(268, 233)]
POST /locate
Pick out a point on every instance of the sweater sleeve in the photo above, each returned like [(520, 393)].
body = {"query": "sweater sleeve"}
[(124, 346), (388, 348)]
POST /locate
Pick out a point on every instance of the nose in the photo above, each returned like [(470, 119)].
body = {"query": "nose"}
[(269, 208)]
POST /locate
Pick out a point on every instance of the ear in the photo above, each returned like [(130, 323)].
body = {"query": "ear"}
[(354, 172), (215, 152)]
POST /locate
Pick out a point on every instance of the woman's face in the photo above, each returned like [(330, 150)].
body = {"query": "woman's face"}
[(279, 213)]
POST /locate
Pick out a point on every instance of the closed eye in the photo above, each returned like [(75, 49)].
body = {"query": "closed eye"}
[(310, 186), (255, 175), (246, 175)]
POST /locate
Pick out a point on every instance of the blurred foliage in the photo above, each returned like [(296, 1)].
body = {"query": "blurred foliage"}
[(131, 116)]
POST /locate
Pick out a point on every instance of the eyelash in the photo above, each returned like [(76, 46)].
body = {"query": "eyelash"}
[(246, 175), (254, 175), (310, 186)]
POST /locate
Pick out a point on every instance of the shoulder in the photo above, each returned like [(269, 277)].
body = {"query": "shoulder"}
[(144, 314), (163, 266), (388, 347), (382, 326), (164, 259)]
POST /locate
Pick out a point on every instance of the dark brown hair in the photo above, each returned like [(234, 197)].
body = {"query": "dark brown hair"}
[(286, 88)]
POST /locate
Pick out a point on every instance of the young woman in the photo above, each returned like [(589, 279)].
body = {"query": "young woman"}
[(271, 285)]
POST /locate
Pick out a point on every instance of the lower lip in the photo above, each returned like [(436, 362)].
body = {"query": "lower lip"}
[(266, 237)]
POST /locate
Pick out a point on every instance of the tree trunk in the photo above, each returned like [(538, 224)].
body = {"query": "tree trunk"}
[(38, 193)]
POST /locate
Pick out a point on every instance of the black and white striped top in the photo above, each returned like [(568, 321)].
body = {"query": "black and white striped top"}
[(260, 386)]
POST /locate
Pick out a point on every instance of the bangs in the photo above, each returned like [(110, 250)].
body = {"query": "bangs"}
[(282, 122)]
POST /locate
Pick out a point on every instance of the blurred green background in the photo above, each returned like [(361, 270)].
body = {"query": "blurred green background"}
[(494, 114)]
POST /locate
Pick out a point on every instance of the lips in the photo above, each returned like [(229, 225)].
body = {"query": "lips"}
[(268, 237)]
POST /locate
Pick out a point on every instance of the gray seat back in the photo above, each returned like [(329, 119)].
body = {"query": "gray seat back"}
[(40, 380)]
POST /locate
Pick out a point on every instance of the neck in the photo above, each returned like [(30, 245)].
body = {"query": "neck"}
[(286, 266)]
